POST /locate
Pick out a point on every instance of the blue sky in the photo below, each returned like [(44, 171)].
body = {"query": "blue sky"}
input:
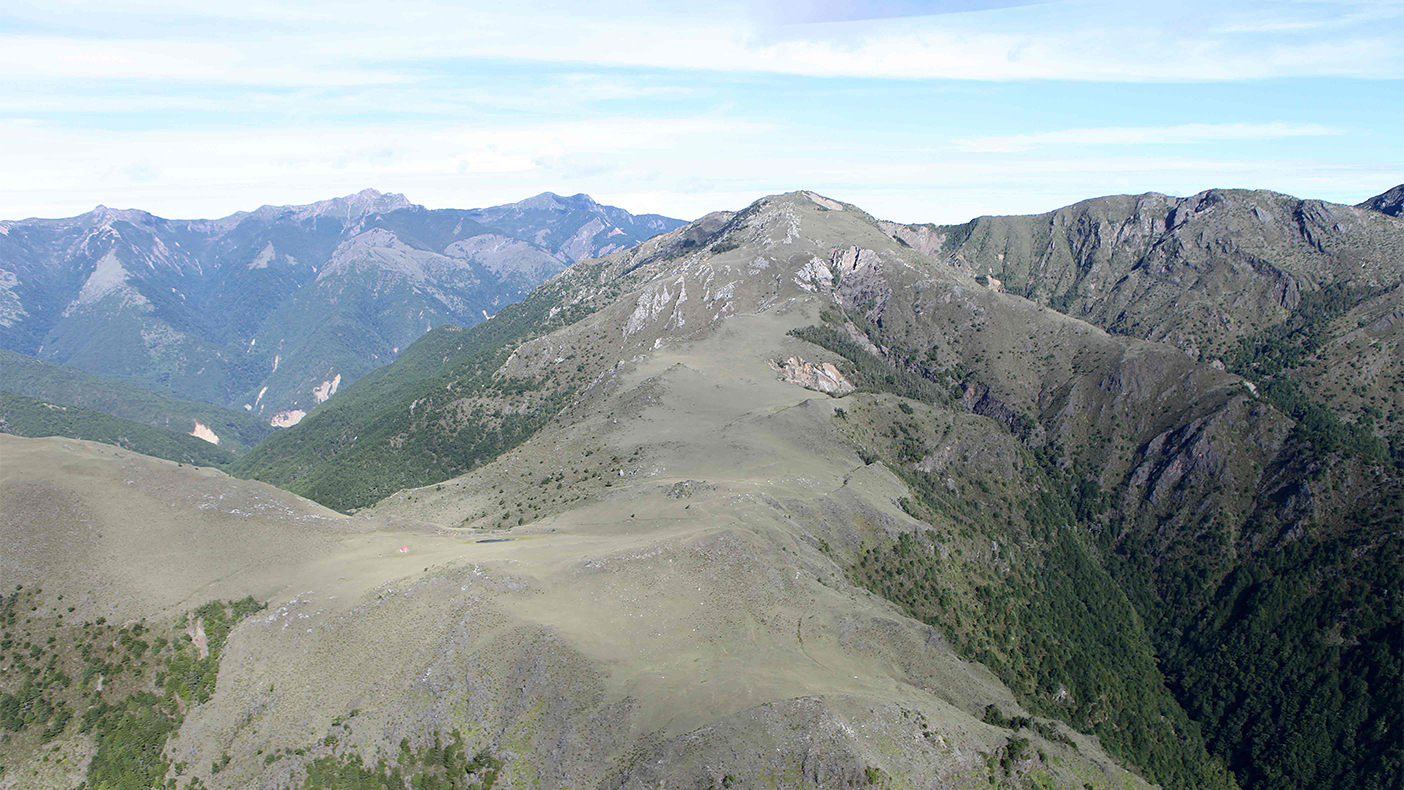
[(913, 109)]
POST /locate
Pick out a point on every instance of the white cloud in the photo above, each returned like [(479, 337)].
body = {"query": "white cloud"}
[(682, 167), (1147, 135), (340, 43), (208, 61)]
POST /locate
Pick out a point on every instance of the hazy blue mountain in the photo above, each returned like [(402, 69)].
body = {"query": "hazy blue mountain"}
[(576, 227), (274, 310)]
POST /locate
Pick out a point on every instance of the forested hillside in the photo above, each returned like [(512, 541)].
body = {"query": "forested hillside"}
[(25, 416), (236, 429)]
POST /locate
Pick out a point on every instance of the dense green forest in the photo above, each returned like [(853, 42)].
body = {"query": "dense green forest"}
[(1309, 637), (24, 416), (144, 402), (1051, 623), (1268, 359)]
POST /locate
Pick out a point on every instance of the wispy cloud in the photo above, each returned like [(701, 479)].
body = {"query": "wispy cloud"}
[(209, 62), (822, 11), (1181, 134), (200, 171), (337, 43)]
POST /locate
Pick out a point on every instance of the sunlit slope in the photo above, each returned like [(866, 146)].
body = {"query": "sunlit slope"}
[(1115, 482), (125, 536), (678, 642), (712, 329)]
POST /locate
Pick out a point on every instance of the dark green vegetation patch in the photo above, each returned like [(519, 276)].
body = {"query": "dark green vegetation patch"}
[(1008, 576), (145, 403), (23, 416), (436, 766), (127, 687)]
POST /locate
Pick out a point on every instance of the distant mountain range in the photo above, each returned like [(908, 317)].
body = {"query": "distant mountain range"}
[(273, 311)]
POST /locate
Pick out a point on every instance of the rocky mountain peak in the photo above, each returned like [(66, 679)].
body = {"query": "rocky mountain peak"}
[(102, 215), (348, 208), (550, 201), (354, 207), (1390, 202)]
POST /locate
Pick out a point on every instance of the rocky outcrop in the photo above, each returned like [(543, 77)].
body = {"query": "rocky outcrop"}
[(824, 377), (977, 398)]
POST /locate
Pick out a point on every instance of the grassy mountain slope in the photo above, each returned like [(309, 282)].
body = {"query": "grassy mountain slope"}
[(1170, 473), (690, 640), (440, 409), (67, 386), (800, 258), (24, 416)]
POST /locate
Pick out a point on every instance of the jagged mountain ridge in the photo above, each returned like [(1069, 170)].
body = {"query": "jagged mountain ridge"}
[(705, 634), (1196, 272), (1215, 274), (273, 310), (1390, 202), (620, 368)]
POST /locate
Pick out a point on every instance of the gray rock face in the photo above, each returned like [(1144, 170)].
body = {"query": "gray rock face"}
[(822, 377), (272, 310), (1390, 202)]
